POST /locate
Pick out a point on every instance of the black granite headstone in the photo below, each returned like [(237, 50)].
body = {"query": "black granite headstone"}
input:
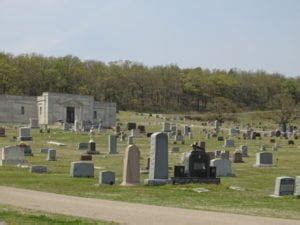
[(131, 126)]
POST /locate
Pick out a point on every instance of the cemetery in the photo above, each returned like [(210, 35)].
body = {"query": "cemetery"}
[(152, 169)]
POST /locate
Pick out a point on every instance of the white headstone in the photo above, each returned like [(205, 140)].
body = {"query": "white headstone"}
[(223, 167)]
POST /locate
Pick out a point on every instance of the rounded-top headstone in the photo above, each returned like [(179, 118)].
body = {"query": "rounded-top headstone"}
[(131, 166)]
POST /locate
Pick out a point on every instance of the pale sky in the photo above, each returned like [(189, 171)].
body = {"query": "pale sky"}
[(214, 34)]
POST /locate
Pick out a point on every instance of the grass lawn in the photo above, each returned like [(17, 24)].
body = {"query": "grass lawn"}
[(257, 183), (17, 216)]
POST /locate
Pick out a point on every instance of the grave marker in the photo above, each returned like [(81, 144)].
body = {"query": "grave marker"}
[(112, 144), (107, 177), (131, 166), (284, 186), (158, 172), (82, 169)]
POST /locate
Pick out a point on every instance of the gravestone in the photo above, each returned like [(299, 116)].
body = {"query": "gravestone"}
[(264, 159), (196, 164), (92, 148), (234, 131), (24, 134), (284, 186), (107, 177), (186, 130), (223, 167), (82, 169), (166, 127), (112, 144), (83, 146), (12, 155), (244, 150), (130, 140), (34, 123), (44, 150), (158, 171), (131, 126), (51, 155), (38, 169), (228, 143), (297, 186), (173, 129), (237, 157), (134, 132), (196, 168), (2, 132), (178, 139), (131, 166), (224, 155), (86, 157), (26, 149)]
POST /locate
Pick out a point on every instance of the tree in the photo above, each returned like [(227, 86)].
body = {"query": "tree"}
[(221, 106), (284, 107)]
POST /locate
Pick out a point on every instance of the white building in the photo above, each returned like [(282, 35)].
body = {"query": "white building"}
[(54, 107)]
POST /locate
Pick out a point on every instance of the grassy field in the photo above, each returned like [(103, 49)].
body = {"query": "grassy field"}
[(258, 183), (16, 216)]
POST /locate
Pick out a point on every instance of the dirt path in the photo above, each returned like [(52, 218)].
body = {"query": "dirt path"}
[(126, 213)]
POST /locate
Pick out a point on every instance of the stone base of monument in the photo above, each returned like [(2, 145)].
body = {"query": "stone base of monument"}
[(185, 180), (92, 153), (11, 162), (25, 138), (263, 165), (155, 182)]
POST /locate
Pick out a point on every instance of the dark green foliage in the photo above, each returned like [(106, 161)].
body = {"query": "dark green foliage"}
[(137, 87)]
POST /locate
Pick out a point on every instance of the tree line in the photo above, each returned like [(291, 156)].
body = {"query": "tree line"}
[(134, 86)]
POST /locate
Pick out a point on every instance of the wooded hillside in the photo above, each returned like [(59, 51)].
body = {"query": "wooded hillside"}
[(137, 87)]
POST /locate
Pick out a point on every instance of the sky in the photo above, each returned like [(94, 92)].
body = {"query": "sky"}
[(214, 34)]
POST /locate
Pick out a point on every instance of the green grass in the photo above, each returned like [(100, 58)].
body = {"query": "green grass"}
[(257, 182), (17, 216)]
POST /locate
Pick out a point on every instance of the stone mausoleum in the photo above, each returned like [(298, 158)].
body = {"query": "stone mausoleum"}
[(56, 107)]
